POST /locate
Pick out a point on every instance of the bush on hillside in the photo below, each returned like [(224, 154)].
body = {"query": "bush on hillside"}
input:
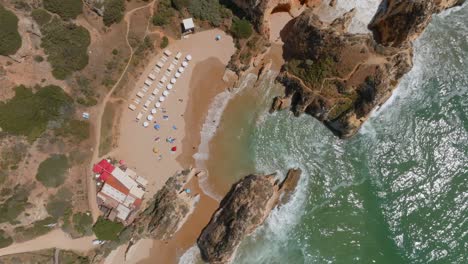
[(5, 240), (164, 42), (12, 207), (10, 39), (53, 171), (66, 45), (241, 28), (180, 4), (28, 113), (107, 230), (113, 11), (41, 16), (82, 223), (66, 9), (210, 10), (164, 13)]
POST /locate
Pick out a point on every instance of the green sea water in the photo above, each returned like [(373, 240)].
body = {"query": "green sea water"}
[(397, 192)]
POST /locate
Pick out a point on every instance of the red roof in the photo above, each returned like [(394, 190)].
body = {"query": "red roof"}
[(104, 176), (102, 166), (137, 203), (112, 181)]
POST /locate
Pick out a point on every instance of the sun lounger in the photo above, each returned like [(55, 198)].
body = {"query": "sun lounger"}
[(132, 107), (147, 104), (160, 64), (164, 58), (151, 76), (178, 55), (160, 85), (151, 98), (155, 91), (148, 82), (140, 94), (167, 53), (168, 74), (139, 116), (137, 101), (163, 79), (171, 67)]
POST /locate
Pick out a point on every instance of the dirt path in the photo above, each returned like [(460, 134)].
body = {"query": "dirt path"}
[(58, 238), (91, 185)]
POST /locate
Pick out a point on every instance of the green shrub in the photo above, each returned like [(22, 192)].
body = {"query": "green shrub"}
[(38, 58), (41, 16), (9, 36), (66, 9), (38, 228), (66, 45), (28, 113), (5, 240), (164, 42), (12, 207), (115, 52), (210, 10), (82, 223), (76, 130), (241, 28), (60, 203), (107, 230), (53, 170), (180, 4), (113, 11), (164, 13), (311, 72)]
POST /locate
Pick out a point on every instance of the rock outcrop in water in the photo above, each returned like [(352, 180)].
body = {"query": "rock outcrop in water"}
[(169, 209), (400, 21), (338, 77), (243, 209)]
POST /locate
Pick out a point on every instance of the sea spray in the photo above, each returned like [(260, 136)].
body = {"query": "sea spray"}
[(191, 256), (210, 126)]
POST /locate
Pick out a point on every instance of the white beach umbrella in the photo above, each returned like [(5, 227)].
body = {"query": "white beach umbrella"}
[(165, 93), (145, 124), (169, 86), (184, 64), (150, 117), (181, 69), (157, 105), (188, 57), (173, 80), (161, 99), (177, 74), (153, 111)]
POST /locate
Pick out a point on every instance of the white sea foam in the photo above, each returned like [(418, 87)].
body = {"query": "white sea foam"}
[(210, 127), (191, 256)]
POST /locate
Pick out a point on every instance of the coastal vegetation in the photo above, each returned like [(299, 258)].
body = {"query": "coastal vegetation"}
[(75, 130), (209, 10), (66, 9), (13, 203), (11, 156), (41, 16), (106, 129), (113, 11), (38, 228), (5, 240), (66, 45), (53, 170), (164, 42), (28, 113), (82, 223), (107, 230), (241, 28), (9, 35), (164, 13), (312, 72)]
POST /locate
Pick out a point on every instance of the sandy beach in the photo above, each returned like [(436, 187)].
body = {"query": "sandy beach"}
[(185, 108)]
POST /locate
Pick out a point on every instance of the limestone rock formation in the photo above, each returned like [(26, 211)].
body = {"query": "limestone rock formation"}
[(169, 209), (400, 21), (336, 76), (260, 10), (242, 210)]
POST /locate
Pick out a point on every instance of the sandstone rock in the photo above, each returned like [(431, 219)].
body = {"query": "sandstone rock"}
[(280, 103), (242, 210), (400, 21), (338, 77), (169, 209)]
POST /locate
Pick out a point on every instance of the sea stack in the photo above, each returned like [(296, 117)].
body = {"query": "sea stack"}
[(242, 210)]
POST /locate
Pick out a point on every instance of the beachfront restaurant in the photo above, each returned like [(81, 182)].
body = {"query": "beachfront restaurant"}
[(188, 26)]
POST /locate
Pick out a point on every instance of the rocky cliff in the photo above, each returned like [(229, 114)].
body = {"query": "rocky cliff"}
[(169, 209), (242, 210), (260, 10), (400, 21), (339, 77), (335, 76)]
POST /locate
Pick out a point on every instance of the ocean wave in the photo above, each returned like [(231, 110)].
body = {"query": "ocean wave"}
[(191, 256)]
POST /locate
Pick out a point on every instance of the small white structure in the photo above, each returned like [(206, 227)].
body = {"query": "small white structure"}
[(163, 80), (181, 69), (184, 64), (188, 57), (155, 91), (161, 99), (178, 55), (189, 26), (165, 93), (173, 80), (157, 105), (171, 67), (177, 74), (140, 94), (153, 111), (167, 53), (147, 103), (132, 107), (145, 124), (160, 64), (169, 86), (139, 116), (150, 117), (151, 76)]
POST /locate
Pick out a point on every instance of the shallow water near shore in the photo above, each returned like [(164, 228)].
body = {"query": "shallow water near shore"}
[(394, 193)]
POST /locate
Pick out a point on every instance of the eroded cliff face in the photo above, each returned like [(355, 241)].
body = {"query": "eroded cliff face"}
[(260, 10), (242, 210), (339, 77), (400, 21), (335, 76)]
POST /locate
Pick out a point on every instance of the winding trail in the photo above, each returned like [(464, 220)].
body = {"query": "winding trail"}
[(57, 238)]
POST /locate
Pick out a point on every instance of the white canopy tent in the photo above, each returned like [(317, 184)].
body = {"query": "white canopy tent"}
[(184, 64), (177, 74), (153, 111), (157, 105), (173, 80), (188, 57), (165, 93), (181, 69), (145, 124), (161, 99), (169, 86), (150, 117)]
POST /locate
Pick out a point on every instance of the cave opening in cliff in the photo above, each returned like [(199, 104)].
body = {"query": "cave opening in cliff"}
[(281, 8)]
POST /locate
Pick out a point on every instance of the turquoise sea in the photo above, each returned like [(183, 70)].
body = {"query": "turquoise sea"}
[(397, 192)]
